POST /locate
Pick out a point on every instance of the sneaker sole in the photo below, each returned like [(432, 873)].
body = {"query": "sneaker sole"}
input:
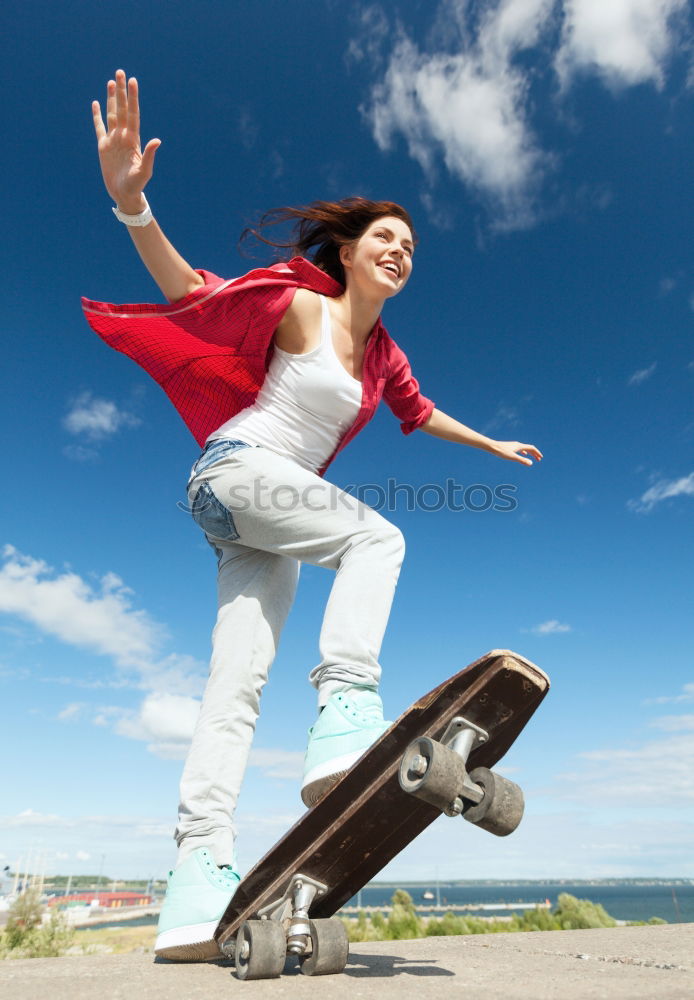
[(195, 943), (323, 776)]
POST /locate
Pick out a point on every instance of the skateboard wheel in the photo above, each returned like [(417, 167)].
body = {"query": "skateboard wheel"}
[(330, 948), (261, 949), (501, 809), (432, 772)]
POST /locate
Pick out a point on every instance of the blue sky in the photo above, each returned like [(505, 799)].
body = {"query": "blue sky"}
[(544, 149)]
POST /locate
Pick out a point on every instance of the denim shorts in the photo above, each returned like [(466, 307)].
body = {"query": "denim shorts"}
[(208, 512)]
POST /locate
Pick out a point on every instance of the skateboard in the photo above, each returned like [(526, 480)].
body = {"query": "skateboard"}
[(434, 759)]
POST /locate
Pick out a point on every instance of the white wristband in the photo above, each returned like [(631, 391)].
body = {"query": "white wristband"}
[(143, 218)]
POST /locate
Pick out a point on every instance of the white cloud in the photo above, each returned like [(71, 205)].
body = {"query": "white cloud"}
[(552, 845), (551, 627), (72, 712), (101, 619), (674, 723), (505, 416), (442, 216), (373, 30), (96, 419), (621, 777), (281, 764), (29, 818), (165, 721), (644, 373), (664, 489), (625, 42), (248, 129), (686, 695), (127, 846), (33, 818), (78, 453), (121, 845), (469, 105), (464, 94), (551, 842), (277, 822), (66, 607), (155, 830), (88, 682), (177, 674)]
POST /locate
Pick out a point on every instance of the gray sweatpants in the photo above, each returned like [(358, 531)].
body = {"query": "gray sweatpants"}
[(264, 514)]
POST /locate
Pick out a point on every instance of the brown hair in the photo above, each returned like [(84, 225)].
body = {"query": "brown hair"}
[(322, 227)]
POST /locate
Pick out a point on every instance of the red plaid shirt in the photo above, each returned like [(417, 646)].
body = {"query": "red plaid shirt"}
[(210, 351)]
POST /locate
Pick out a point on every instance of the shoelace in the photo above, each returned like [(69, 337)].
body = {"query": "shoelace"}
[(224, 872), (369, 711)]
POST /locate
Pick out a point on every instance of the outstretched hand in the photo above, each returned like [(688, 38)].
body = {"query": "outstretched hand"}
[(515, 451), (126, 169)]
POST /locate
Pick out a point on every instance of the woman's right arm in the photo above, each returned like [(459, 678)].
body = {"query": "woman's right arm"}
[(126, 170)]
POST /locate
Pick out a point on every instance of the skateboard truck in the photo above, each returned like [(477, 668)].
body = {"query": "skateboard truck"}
[(436, 772), (282, 928), (291, 910), (464, 736)]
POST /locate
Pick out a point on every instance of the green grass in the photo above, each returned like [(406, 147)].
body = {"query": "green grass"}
[(115, 940)]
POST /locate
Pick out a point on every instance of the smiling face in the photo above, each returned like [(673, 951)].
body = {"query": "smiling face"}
[(380, 261)]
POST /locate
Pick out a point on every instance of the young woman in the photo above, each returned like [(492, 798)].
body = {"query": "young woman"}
[(274, 373)]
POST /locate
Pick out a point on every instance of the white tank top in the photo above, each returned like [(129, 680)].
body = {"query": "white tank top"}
[(304, 406)]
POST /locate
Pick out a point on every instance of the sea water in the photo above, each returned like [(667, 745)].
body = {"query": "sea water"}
[(623, 901)]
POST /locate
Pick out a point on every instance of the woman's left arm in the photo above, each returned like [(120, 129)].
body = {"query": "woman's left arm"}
[(441, 425)]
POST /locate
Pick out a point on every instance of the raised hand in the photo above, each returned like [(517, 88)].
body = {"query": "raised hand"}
[(126, 168)]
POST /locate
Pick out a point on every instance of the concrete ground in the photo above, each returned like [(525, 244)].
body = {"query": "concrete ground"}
[(625, 963)]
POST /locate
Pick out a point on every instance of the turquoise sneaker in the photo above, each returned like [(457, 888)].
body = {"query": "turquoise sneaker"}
[(197, 895), (350, 722)]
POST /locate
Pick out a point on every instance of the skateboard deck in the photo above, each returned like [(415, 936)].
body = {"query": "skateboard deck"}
[(367, 819)]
